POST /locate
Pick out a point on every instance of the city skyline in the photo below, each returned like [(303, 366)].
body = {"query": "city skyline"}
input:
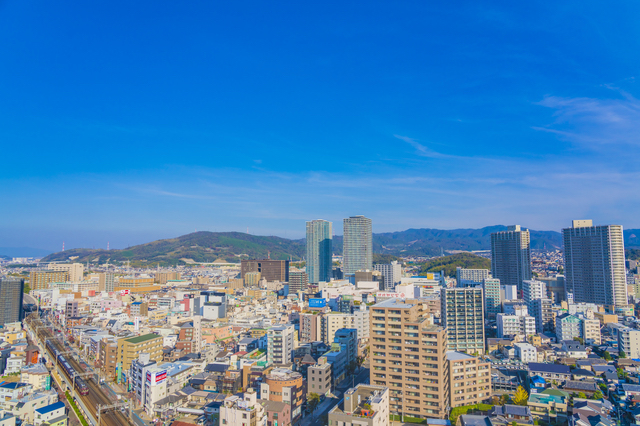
[(222, 120)]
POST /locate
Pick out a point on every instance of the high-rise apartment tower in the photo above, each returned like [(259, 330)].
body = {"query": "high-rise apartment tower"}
[(11, 296), (358, 246), (594, 263), (511, 256), (319, 251)]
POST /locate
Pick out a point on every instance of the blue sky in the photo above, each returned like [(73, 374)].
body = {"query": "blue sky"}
[(131, 121)]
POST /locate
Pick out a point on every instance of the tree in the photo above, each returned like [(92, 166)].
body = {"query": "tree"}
[(579, 339), (521, 396), (622, 355), (598, 395), (582, 395), (621, 373), (504, 399), (313, 399), (606, 355)]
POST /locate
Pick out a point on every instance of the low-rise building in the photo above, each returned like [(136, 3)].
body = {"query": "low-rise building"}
[(363, 405)]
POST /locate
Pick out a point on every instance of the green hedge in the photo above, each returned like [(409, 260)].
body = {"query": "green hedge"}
[(76, 409), (458, 411), (407, 419)]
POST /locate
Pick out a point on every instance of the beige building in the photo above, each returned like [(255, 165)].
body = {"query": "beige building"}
[(363, 405), (130, 348), (75, 270), (469, 379), (409, 356), (243, 411), (319, 377), (41, 280), (163, 277), (591, 331)]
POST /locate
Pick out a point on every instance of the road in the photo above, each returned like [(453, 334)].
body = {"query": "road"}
[(96, 395)]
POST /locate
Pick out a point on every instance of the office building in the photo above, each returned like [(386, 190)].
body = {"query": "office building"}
[(364, 405), (71, 309), (75, 270), (298, 281), (408, 356), (271, 270), (163, 278), (555, 288), (11, 299), (334, 321), (471, 277), (251, 279), (491, 292), (310, 327), (594, 263), (357, 252), (106, 281), (130, 349), (42, 280), (462, 314), (280, 340), (511, 256), (319, 251), (392, 274)]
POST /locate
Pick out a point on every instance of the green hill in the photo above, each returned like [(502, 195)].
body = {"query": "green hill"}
[(198, 246), (450, 263)]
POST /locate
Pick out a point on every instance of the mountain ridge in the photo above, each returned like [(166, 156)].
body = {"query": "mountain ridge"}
[(206, 247)]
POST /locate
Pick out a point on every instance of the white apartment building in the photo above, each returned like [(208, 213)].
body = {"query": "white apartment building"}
[(567, 327), (526, 352), (511, 325), (280, 341), (76, 270), (392, 274), (236, 411), (629, 342)]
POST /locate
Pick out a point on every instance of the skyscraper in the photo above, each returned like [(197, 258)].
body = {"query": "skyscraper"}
[(511, 256), (358, 247), (594, 263), (11, 296), (319, 251)]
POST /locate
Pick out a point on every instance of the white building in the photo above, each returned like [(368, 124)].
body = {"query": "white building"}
[(392, 274), (471, 277), (245, 411), (526, 352), (280, 344), (629, 342), (591, 331), (512, 325)]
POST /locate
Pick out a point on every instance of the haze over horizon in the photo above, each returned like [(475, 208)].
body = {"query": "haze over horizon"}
[(131, 122)]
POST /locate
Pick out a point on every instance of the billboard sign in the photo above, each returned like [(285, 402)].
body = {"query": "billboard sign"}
[(124, 292), (317, 303), (390, 295), (155, 378)]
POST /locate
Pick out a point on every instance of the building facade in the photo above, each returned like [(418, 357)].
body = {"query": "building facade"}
[(41, 280), (511, 256), (11, 298), (357, 252), (271, 270), (391, 273), (280, 340), (319, 251), (463, 315), (595, 263)]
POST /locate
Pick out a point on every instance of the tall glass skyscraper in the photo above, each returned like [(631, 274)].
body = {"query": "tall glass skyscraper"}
[(594, 263), (319, 251), (511, 256), (358, 246)]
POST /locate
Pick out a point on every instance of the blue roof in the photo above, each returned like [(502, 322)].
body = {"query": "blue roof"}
[(12, 385), (50, 408), (549, 368)]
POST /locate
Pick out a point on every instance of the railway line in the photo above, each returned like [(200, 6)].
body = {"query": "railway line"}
[(95, 395)]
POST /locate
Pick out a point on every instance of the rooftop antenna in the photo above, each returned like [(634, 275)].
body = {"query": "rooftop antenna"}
[(63, 246), (107, 245), (268, 254)]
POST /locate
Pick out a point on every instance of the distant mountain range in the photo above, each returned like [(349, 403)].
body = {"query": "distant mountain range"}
[(23, 252), (233, 246)]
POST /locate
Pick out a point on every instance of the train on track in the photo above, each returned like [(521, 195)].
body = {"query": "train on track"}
[(79, 382)]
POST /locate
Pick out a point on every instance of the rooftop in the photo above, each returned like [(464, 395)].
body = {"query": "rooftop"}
[(143, 338), (50, 408)]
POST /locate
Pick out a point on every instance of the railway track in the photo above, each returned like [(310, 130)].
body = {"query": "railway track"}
[(96, 396)]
